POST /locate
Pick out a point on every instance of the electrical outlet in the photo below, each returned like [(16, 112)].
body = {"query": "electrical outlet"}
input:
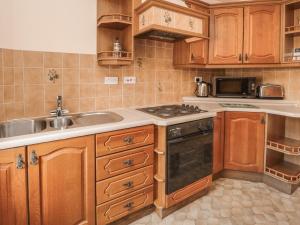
[(129, 80), (111, 80), (198, 79)]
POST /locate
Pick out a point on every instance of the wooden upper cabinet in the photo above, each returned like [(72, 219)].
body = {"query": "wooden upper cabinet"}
[(190, 53), (13, 191), (62, 182), (226, 35), (262, 34), (218, 147), (244, 141)]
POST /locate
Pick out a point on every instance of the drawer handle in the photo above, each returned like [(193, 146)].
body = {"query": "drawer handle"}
[(128, 162), (143, 20), (191, 24), (20, 162), (129, 184), (128, 139), (129, 205)]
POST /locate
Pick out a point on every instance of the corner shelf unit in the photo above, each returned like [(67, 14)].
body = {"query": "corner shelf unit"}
[(283, 150), (115, 21)]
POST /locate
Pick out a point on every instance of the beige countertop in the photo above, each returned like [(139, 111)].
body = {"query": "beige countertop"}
[(134, 118)]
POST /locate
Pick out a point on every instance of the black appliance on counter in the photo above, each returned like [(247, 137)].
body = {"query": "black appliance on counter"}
[(234, 87), (189, 153)]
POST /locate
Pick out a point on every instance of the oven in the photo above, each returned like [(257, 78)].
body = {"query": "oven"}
[(189, 153)]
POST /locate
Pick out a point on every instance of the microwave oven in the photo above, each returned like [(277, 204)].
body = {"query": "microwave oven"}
[(234, 87)]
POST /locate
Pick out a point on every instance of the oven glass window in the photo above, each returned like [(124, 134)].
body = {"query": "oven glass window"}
[(189, 159)]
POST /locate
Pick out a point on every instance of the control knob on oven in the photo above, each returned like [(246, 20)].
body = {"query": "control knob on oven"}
[(175, 132)]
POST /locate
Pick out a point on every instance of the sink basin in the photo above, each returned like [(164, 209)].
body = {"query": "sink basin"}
[(60, 122), (96, 118), (21, 127)]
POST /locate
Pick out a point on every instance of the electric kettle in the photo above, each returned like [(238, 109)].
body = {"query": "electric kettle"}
[(203, 89)]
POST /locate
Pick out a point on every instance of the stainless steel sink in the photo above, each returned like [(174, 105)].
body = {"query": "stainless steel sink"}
[(30, 126), (60, 122), (22, 127), (89, 119)]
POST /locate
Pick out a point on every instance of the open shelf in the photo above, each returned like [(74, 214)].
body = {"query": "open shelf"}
[(115, 21), (114, 58), (284, 145), (285, 171)]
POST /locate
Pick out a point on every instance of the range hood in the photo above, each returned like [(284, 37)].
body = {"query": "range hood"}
[(164, 20)]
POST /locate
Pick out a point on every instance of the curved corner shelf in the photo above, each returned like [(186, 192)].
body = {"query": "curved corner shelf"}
[(284, 171), (285, 145), (113, 58), (114, 21)]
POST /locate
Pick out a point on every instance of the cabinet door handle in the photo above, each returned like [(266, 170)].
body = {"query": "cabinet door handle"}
[(246, 57), (20, 164), (240, 57), (128, 139), (129, 205), (263, 120), (128, 184), (128, 162), (34, 159)]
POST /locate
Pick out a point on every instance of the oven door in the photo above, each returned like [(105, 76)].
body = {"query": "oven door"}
[(189, 159)]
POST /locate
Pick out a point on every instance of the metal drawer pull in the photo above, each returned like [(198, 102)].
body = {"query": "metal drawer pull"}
[(129, 184), (34, 158), (129, 205), (128, 139), (128, 162), (20, 162)]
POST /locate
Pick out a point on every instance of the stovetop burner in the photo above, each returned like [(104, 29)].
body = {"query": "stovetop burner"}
[(170, 111)]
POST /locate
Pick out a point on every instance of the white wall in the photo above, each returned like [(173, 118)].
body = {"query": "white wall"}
[(48, 25)]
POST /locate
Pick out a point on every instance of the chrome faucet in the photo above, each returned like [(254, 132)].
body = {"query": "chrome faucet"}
[(59, 111)]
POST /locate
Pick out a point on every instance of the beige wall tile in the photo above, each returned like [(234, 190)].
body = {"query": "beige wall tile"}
[(102, 103), (87, 76), (70, 60), (87, 104), (87, 90), (115, 102), (71, 91), (9, 93), (72, 105), (52, 91), (53, 60), (34, 109), (18, 76), (8, 57), (1, 94), (87, 61), (70, 76), (102, 90), (8, 76), (33, 75), (33, 59), (18, 58), (19, 93), (33, 94), (14, 110), (1, 75), (46, 77)]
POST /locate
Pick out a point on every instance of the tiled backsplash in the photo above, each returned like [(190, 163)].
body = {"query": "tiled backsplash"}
[(25, 89), (288, 77)]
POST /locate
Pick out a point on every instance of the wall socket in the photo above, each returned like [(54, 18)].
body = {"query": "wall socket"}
[(198, 79), (111, 80), (129, 80)]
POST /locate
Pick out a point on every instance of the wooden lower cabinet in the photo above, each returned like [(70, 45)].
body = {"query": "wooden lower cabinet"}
[(13, 190), (244, 141), (123, 206), (218, 144), (61, 182)]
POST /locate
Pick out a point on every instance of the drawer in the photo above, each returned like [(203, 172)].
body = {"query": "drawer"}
[(123, 162), (116, 209), (115, 187), (188, 191), (117, 141)]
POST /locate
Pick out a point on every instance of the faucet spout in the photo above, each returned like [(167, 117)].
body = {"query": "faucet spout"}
[(59, 110)]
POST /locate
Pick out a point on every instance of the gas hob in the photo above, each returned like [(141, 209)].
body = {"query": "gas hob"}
[(171, 111)]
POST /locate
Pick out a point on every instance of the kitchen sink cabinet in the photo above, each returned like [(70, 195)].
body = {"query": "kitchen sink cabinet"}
[(218, 144), (61, 178), (245, 35), (244, 141), (13, 191)]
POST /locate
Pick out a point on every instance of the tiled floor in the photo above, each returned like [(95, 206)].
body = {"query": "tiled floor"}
[(235, 202)]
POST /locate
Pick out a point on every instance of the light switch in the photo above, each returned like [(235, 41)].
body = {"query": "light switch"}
[(111, 80)]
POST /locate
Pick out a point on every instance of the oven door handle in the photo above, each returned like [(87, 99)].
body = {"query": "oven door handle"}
[(186, 138)]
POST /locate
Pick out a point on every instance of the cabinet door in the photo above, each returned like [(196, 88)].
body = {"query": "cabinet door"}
[(13, 202), (226, 34), (190, 53), (218, 150), (244, 141), (62, 182), (262, 34)]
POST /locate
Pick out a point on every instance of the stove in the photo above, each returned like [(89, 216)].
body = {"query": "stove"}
[(171, 111)]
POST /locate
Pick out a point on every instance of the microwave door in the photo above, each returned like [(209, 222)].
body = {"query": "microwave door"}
[(229, 88)]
